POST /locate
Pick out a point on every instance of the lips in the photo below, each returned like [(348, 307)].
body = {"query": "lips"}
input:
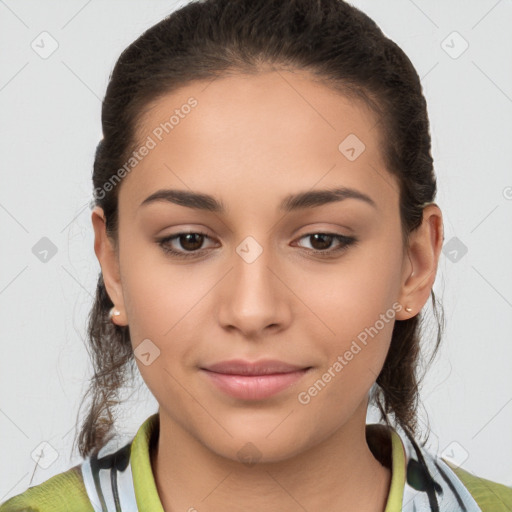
[(264, 367), (253, 380)]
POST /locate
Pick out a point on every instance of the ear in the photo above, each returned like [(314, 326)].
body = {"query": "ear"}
[(420, 268), (109, 262)]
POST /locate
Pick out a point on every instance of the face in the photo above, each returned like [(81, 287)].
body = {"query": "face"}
[(309, 288)]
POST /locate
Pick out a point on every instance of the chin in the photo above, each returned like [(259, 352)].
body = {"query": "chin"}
[(260, 447)]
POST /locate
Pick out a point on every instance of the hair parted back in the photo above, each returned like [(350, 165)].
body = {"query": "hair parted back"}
[(333, 41)]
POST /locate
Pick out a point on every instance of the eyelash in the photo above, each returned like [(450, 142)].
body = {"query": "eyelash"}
[(346, 242)]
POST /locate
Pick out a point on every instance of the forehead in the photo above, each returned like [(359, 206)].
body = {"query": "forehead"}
[(277, 131)]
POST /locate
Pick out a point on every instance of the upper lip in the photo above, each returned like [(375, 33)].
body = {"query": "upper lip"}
[(262, 367)]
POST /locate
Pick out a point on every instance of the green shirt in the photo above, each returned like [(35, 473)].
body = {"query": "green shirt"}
[(124, 477)]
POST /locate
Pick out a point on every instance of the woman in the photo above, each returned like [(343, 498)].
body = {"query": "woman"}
[(267, 233)]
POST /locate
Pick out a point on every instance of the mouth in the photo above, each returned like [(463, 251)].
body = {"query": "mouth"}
[(258, 380)]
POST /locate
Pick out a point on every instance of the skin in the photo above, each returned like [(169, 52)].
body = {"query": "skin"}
[(251, 141)]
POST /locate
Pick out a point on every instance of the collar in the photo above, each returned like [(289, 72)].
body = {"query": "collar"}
[(122, 479)]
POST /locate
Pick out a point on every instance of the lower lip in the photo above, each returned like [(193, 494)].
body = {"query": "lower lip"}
[(254, 387)]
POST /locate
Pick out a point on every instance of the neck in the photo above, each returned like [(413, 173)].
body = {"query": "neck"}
[(340, 474)]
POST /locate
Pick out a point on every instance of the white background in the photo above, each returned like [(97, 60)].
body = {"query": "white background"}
[(50, 125)]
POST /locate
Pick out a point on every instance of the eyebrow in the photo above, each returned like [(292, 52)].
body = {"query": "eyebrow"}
[(292, 202)]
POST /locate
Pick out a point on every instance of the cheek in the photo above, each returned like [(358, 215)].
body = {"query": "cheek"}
[(166, 303), (351, 295), (353, 357), (157, 293), (355, 305)]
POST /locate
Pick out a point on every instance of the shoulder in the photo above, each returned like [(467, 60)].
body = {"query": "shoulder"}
[(490, 496), (60, 493), (104, 478), (434, 482)]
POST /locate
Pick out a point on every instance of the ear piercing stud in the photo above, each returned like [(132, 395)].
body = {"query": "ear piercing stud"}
[(113, 312), (408, 309)]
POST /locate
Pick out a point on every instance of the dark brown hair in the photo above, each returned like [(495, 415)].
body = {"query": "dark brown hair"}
[(334, 42)]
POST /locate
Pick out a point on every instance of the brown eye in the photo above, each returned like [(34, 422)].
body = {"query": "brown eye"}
[(183, 245), (191, 241), (321, 243)]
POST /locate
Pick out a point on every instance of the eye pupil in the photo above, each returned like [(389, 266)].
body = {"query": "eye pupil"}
[(320, 236), (190, 237)]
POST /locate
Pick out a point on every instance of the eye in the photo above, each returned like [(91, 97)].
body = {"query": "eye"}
[(322, 242), (191, 242)]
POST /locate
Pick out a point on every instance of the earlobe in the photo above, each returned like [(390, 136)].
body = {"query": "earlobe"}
[(425, 244), (106, 253)]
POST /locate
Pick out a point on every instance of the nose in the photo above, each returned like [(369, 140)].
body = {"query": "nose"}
[(253, 297)]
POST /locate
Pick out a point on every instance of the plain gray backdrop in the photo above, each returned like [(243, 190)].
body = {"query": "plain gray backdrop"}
[(54, 66)]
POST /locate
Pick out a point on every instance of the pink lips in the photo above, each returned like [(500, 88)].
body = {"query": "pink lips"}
[(253, 380)]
